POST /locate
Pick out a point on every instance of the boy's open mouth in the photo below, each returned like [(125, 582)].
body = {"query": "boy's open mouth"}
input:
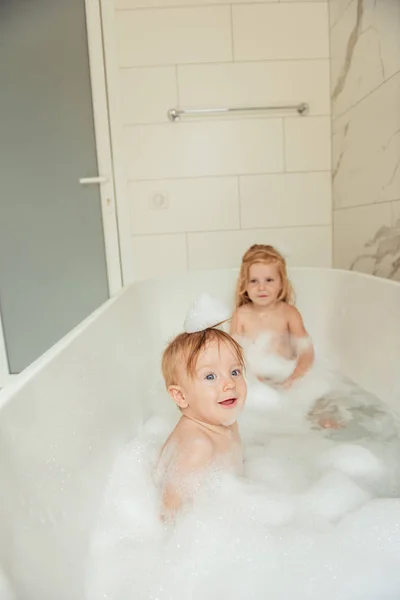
[(229, 402)]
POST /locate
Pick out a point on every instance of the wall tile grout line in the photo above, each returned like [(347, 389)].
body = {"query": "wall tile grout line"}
[(224, 62), (237, 230), (216, 4)]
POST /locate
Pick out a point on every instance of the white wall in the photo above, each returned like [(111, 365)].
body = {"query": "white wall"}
[(365, 51), (230, 182)]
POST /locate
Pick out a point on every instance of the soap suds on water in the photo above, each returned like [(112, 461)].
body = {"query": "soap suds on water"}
[(316, 517)]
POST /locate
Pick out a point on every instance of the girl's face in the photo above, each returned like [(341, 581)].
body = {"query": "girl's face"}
[(264, 284)]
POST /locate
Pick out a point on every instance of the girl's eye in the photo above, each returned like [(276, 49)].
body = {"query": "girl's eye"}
[(236, 372), (252, 281), (269, 279), (210, 377)]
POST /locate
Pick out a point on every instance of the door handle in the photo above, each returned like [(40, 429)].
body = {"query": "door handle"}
[(92, 180)]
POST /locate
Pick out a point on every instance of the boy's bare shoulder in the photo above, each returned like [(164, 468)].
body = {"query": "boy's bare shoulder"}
[(196, 454), (194, 444)]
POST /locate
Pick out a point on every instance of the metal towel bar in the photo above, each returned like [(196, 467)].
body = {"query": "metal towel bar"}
[(174, 114)]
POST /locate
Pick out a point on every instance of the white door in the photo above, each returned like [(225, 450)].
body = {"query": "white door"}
[(59, 254)]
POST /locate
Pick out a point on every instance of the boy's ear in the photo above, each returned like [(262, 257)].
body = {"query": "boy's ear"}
[(178, 396)]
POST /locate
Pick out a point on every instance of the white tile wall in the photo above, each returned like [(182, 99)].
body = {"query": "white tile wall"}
[(257, 84), (309, 246), (354, 228), (337, 9), (157, 255), (308, 144), (176, 35), (396, 211), (132, 4), (360, 67), (232, 180), (146, 93), (366, 149), (280, 30), (204, 148), (205, 204), (365, 46), (289, 199)]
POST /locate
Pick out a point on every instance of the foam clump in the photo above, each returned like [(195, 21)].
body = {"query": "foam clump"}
[(332, 496), (353, 460), (206, 311), (263, 362)]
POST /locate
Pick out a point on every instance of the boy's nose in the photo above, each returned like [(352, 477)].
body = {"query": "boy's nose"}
[(229, 384)]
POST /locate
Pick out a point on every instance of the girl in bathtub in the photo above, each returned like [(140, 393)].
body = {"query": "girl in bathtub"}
[(278, 349)]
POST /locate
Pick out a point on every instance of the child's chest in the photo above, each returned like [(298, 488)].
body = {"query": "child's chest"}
[(269, 323)]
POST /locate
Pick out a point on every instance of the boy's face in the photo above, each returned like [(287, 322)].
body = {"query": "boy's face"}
[(217, 392), (264, 284)]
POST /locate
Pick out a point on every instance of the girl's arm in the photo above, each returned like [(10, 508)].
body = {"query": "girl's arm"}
[(303, 345), (235, 327)]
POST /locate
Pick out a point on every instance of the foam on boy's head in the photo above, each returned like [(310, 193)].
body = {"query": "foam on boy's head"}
[(185, 349)]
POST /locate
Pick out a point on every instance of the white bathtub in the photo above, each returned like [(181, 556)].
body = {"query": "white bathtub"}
[(63, 419)]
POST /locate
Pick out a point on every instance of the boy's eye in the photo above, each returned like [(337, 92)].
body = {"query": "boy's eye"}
[(236, 372), (210, 377)]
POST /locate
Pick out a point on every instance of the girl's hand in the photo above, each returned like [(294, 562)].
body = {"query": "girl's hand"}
[(286, 385), (327, 423), (264, 380)]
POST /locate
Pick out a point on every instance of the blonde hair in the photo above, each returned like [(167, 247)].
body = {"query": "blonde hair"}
[(260, 253), (185, 349)]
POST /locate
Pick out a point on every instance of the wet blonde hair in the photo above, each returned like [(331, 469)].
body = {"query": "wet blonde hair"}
[(186, 348), (260, 253)]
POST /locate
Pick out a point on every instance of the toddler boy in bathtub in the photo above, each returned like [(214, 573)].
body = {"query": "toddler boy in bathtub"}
[(203, 373)]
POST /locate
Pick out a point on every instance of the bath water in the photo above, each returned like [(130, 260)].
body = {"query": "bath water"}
[(315, 517)]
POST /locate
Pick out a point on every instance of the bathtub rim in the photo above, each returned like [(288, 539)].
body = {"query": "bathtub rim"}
[(19, 380)]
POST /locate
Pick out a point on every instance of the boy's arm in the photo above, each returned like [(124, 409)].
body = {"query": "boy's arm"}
[(303, 344)]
